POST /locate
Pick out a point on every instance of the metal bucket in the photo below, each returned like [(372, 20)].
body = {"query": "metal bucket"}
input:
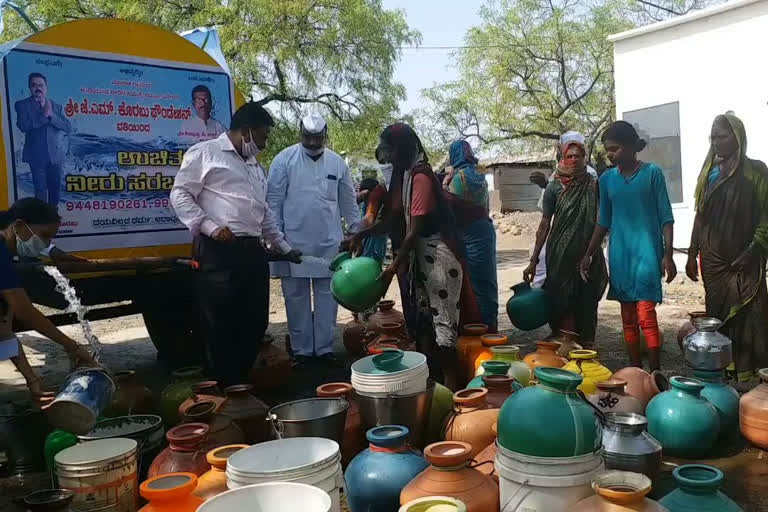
[(145, 429), (311, 417), (84, 396), (410, 410)]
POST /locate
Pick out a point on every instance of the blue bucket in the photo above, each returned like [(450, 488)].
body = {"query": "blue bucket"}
[(85, 394)]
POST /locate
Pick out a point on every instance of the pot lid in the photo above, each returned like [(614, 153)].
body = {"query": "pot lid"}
[(496, 367), (389, 362), (98, 452), (612, 384), (505, 349), (168, 486), (199, 409), (498, 381), (388, 436), (475, 329)]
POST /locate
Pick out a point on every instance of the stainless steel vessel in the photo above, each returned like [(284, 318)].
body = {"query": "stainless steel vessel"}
[(706, 348), (628, 447)]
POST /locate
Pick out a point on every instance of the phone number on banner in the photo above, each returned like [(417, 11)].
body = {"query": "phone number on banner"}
[(118, 204)]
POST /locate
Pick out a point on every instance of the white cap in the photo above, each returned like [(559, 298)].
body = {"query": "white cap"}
[(572, 137), (313, 123)]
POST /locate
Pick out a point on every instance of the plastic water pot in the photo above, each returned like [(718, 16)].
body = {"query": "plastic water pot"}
[(355, 284), (270, 497)]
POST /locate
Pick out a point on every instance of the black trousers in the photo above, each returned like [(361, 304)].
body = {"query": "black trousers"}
[(233, 292)]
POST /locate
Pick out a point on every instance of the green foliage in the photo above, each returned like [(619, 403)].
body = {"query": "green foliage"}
[(336, 57), (532, 70)]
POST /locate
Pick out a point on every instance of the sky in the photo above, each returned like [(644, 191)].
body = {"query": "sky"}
[(441, 23)]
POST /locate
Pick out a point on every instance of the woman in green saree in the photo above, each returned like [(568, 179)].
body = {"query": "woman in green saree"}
[(730, 232)]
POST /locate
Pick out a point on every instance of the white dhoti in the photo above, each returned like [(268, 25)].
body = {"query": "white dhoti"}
[(311, 312)]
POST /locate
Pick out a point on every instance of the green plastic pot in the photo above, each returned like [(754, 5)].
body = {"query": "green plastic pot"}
[(684, 422), (54, 443), (725, 399), (355, 284), (529, 308), (550, 419), (698, 491), (517, 368), (441, 407)]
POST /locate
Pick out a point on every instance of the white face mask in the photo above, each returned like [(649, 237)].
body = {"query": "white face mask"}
[(314, 152), (31, 248), (250, 149), (386, 170)]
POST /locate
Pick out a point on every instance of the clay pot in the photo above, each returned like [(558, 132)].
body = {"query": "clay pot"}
[(354, 435), (185, 451), (214, 481), (353, 335), (207, 390), (499, 388), (391, 332), (568, 341), (272, 369), (485, 461), (450, 475), (545, 355), (222, 430), (611, 396), (131, 396), (472, 420), (247, 411), (468, 347), (641, 384), (619, 491), (688, 328), (753, 413), (386, 314)]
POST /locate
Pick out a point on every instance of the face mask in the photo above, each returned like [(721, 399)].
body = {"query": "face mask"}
[(31, 248), (386, 170), (314, 152), (250, 149)]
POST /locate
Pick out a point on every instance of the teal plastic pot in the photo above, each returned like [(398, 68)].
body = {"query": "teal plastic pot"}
[(529, 308), (698, 491), (684, 422), (490, 368), (550, 419), (355, 283), (725, 399)]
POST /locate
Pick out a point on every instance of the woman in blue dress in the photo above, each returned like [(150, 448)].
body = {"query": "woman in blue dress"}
[(635, 209)]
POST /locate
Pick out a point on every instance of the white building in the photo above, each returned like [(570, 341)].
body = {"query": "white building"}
[(674, 77)]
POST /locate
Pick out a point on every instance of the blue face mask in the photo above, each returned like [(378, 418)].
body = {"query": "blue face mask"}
[(31, 248)]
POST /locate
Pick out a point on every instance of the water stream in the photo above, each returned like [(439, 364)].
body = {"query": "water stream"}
[(64, 287)]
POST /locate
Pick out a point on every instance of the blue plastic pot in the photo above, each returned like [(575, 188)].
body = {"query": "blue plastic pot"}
[(698, 491), (375, 477), (725, 399)]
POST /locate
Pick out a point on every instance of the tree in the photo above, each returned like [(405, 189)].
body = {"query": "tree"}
[(647, 11), (532, 70), (294, 56)]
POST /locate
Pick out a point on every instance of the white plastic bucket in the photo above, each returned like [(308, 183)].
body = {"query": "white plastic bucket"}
[(101, 473), (544, 484), (406, 382), (270, 497), (307, 460)]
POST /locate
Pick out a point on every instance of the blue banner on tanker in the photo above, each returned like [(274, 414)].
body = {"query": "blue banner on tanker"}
[(102, 139)]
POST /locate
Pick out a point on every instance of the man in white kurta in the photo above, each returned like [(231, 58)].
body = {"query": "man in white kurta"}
[(310, 190)]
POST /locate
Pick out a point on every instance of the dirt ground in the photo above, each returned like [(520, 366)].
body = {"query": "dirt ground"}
[(127, 344)]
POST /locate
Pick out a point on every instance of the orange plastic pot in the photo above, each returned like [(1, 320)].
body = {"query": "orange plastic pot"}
[(487, 341), (214, 481)]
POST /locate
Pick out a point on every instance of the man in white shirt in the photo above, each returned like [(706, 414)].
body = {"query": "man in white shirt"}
[(310, 190), (201, 126), (220, 195)]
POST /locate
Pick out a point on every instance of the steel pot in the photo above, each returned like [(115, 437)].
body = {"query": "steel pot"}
[(311, 417), (627, 446), (706, 348)]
